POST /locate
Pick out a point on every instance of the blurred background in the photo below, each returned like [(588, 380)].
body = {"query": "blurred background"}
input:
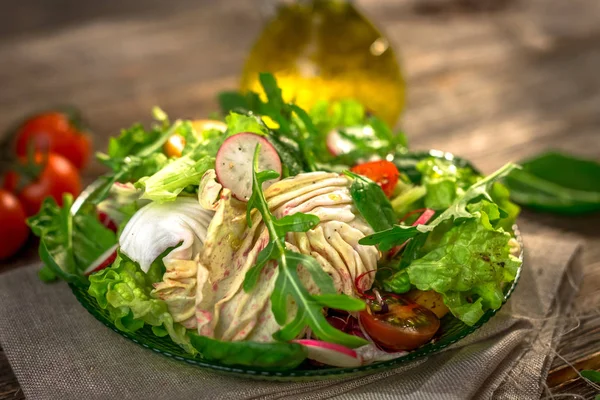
[(489, 80), (484, 77)]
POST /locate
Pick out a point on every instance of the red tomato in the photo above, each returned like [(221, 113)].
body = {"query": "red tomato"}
[(384, 173), (13, 229), (54, 132), (403, 326), (56, 175)]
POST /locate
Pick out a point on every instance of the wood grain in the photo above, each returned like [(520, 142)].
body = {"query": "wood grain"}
[(492, 81)]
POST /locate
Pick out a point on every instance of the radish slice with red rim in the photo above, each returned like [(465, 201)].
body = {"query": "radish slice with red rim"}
[(330, 353), (105, 260), (234, 163)]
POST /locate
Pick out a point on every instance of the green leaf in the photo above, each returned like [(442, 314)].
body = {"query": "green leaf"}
[(558, 183), (124, 291), (444, 181), (46, 274), (281, 356), (457, 211), (168, 182), (591, 375), (288, 285), (389, 238), (471, 261), (253, 273), (340, 302), (298, 222), (69, 243), (371, 202), (237, 123), (399, 282)]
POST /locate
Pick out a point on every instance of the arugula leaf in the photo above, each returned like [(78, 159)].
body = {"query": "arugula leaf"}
[(277, 355), (69, 243), (469, 267), (391, 237), (558, 183), (371, 202), (288, 283)]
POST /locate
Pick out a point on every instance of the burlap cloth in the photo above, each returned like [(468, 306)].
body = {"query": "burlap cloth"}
[(59, 351)]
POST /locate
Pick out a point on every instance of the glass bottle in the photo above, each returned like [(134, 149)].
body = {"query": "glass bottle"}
[(327, 49)]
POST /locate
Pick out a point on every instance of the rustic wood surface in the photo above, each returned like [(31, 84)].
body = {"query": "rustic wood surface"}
[(491, 80)]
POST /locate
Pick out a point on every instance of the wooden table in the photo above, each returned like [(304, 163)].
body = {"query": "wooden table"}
[(490, 80)]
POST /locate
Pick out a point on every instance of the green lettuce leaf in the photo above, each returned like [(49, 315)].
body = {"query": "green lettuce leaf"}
[(253, 354), (444, 181), (124, 290), (237, 123), (171, 180), (69, 243), (469, 266)]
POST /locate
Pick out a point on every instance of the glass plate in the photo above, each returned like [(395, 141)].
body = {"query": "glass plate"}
[(451, 331)]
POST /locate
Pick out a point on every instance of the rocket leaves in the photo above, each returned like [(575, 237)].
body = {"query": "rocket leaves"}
[(306, 307)]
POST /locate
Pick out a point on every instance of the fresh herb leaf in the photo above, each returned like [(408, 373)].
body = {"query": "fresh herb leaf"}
[(277, 355), (558, 183), (591, 375), (389, 238), (288, 283), (69, 243), (371, 202)]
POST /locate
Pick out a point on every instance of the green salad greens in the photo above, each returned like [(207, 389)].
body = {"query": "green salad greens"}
[(263, 230)]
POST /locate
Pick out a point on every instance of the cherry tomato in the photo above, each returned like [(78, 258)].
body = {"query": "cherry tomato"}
[(384, 173), (399, 324), (13, 229), (174, 146), (46, 175), (54, 132)]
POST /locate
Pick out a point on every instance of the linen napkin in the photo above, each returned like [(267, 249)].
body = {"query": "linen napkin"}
[(58, 351)]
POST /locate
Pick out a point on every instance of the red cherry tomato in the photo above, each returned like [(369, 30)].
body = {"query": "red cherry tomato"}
[(400, 324), (54, 132), (384, 173), (13, 229), (56, 176)]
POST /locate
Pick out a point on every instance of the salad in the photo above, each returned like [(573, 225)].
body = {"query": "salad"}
[(277, 236)]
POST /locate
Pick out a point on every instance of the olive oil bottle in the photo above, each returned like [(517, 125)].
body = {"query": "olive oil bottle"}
[(327, 50)]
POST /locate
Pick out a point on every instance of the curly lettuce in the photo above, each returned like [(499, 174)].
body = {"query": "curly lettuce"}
[(469, 267), (124, 291)]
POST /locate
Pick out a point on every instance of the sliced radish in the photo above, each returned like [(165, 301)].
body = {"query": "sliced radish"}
[(422, 220), (107, 221), (425, 217), (234, 163), (105, 260), (330, 353)]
